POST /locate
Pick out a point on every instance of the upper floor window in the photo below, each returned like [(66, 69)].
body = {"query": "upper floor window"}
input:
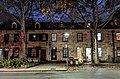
[(79, 37), (38, 37), (37, 25), (16, 37), (99, 36), (53, 37), (118, 36), (6, 38), (44, 37), (64, 38), (14, 25), (34, 37)]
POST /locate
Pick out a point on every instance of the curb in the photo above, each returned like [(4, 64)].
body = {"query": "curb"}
[(30, 70)]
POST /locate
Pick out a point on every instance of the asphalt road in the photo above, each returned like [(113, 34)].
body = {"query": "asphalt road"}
[(100, 73)]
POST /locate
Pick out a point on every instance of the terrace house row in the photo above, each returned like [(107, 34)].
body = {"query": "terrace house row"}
[(46, 42)]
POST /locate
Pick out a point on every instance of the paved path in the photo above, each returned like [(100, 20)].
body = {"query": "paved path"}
[(41, 67), (89, 73), (50, 66)]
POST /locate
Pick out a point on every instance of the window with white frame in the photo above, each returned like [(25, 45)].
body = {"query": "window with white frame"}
[(53, 37), (99, 36), (100, 52), (79, 36), (64, 39)]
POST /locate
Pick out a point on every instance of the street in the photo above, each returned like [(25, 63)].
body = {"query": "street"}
[(89, 73)]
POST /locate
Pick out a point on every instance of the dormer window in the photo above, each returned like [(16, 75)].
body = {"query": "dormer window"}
[(37, 25), (14, 25), (61, 24)]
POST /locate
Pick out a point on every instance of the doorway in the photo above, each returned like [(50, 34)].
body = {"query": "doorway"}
[(54, 53), (79, 54), (5, 55), (43, 55), (38, 53), (88, 54)]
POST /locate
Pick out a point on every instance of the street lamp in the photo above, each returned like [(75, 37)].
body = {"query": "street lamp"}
[(88, 23), (66, 35)]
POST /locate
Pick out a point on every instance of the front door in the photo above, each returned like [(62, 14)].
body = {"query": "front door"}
[(5, 53), (38, 53), (79, 54), (53, 53), (88, 54), (43, 55)]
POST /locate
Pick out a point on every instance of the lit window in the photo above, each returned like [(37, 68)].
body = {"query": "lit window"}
[(38, 37), (0, 53), (65, 52), (99, 36), (64, 38), (118, 51), (100, 52)]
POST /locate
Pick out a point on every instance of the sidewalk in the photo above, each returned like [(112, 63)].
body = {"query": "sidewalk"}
[(60, 67), (41, 67)]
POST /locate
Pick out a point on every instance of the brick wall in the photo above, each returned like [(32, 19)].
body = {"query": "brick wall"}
[(106, 44)]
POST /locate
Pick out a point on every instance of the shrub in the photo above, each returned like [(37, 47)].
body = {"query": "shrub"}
[(13, 62)]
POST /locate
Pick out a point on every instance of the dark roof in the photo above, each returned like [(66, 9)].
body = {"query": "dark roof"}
[(51, 26), (7, 25)]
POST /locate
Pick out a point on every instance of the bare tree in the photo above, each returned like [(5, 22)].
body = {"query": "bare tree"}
[(94, 13), (19, 11)]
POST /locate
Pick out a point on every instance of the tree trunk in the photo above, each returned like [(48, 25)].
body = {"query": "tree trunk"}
[(23, 37), (96, 48)]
